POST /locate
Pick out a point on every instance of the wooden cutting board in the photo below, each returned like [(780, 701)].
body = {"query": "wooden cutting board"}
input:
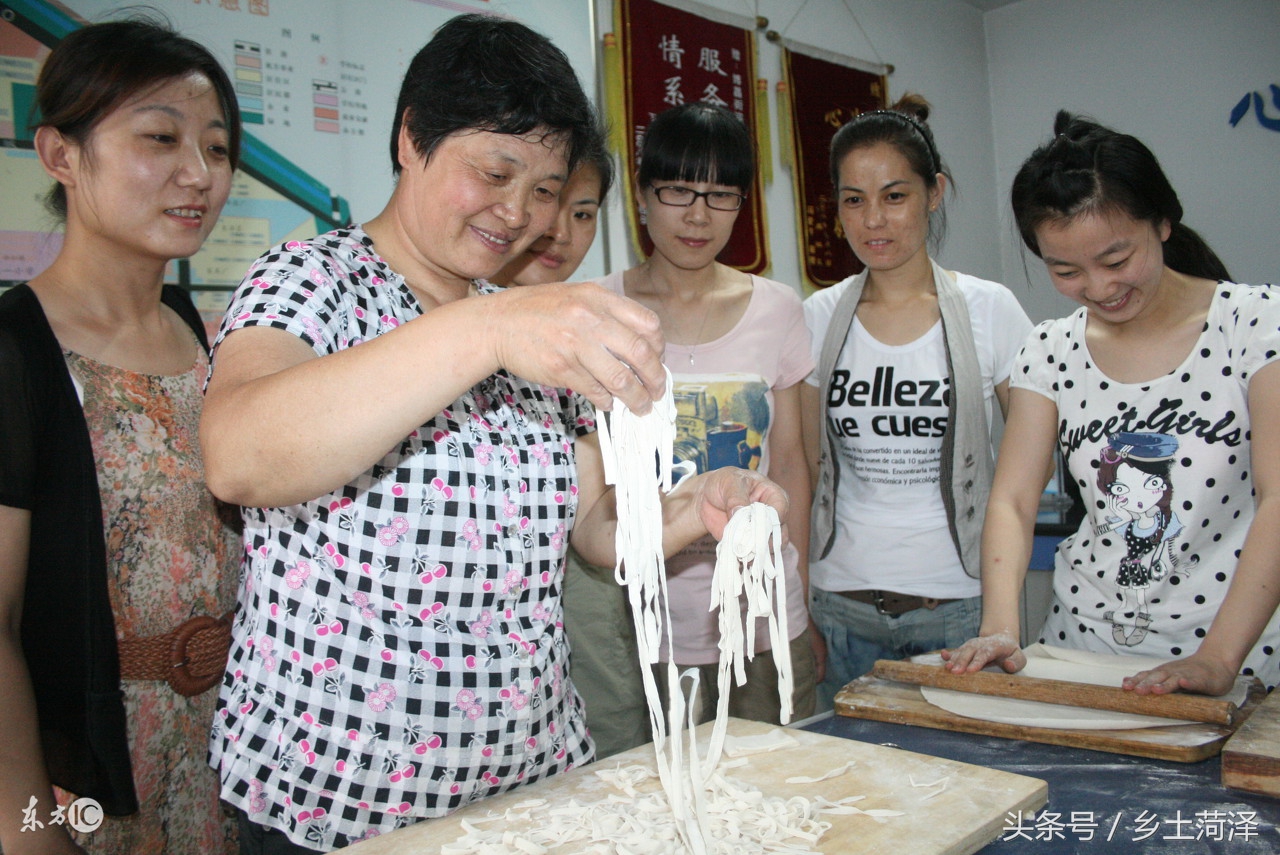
[(1251, 758), (885, 700), (969, 813)]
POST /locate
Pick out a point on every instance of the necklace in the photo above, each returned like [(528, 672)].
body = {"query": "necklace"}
[(693, 348), (666, 307)]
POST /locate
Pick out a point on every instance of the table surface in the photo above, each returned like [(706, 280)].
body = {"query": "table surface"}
[(960, 816), (1098, 803)]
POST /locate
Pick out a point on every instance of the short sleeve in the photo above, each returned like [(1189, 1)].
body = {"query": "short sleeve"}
[(290, 288), (1252, 327), (1037, 364), (332, 291), (795, 359), (817, 309), (1009, 329)]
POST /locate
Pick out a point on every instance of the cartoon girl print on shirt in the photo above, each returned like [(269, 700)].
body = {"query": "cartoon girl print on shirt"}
[(1133, 473)]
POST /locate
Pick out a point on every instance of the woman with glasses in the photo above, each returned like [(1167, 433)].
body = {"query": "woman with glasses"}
[(909, 359), (737, 349)]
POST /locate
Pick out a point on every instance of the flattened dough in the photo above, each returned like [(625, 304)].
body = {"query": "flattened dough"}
[(1057, 663)]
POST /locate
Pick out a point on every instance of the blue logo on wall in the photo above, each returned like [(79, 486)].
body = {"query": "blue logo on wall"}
[(1241, 109)]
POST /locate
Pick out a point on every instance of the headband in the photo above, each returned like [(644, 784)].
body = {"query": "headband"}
[(919, 128)]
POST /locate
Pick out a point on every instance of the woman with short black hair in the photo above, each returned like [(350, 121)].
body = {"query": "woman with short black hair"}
[(415, 449)]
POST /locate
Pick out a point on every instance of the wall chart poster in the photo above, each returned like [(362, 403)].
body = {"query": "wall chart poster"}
[(316, 81)]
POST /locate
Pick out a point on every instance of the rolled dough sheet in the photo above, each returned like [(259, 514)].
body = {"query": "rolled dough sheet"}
[(1057, 663)]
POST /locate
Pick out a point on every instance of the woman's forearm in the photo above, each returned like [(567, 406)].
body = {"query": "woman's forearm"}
[(1006, 552), (1025, 452), (281, 426)]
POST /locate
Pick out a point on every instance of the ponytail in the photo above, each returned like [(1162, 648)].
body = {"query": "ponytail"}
[(1088, 168), (1186, 252)]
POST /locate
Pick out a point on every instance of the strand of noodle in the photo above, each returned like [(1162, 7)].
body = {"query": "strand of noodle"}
[(749, 565), (637, 455), (638, 464), (698, 790)]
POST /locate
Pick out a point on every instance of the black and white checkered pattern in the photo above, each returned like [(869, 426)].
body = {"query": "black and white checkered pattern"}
[(399, 650)]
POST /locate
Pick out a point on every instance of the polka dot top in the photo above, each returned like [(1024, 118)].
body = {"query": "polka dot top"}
[(1164, 470)]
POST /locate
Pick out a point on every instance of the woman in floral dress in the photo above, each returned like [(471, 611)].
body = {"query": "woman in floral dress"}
[(115, 564)]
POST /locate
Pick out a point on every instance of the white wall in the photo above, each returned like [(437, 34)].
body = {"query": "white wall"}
[(936, 47), (1166, 71)]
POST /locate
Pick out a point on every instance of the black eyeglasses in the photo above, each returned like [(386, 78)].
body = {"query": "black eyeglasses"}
[(684, 197)]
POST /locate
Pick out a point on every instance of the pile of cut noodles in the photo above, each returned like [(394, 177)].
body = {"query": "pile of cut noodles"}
[(698, 809)]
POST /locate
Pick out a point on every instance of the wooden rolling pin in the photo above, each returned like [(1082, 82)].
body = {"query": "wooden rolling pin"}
[(1190, 707)]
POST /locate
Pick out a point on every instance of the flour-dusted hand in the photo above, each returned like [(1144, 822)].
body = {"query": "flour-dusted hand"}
[(702, 504), (719, 493), (977, 653), (581, 337), (1199, 674)]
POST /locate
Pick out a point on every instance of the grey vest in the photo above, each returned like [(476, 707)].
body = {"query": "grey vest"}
[(966, 462)]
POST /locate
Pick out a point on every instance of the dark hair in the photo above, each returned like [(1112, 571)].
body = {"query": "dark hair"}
[(697, 142), (489, 74), (1089, 169), (905, 127), (98, 67), (598, 157)]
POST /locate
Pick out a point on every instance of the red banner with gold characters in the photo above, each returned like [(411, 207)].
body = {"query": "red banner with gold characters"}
[(669, 57), (823, 96)]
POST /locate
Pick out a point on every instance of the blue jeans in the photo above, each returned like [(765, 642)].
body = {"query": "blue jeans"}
[(857, 635)]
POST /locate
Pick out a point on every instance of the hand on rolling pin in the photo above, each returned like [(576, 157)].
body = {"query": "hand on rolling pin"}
[(976, 653), (1196, 673), (584, 338)]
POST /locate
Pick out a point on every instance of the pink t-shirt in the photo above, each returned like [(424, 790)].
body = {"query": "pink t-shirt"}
[(724, 409)]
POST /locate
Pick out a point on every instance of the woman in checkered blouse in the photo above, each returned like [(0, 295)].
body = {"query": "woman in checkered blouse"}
[(399, 650)]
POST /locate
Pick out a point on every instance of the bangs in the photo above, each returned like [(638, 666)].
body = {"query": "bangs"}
[(697, 143)]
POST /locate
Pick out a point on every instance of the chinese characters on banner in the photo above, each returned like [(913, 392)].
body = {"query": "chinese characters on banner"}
[(824, 95), (670, 57)]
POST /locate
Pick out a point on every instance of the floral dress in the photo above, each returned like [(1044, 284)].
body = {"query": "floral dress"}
[(170, 557)]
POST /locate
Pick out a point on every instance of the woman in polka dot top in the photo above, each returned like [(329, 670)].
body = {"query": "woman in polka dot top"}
[(1162, 396)]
